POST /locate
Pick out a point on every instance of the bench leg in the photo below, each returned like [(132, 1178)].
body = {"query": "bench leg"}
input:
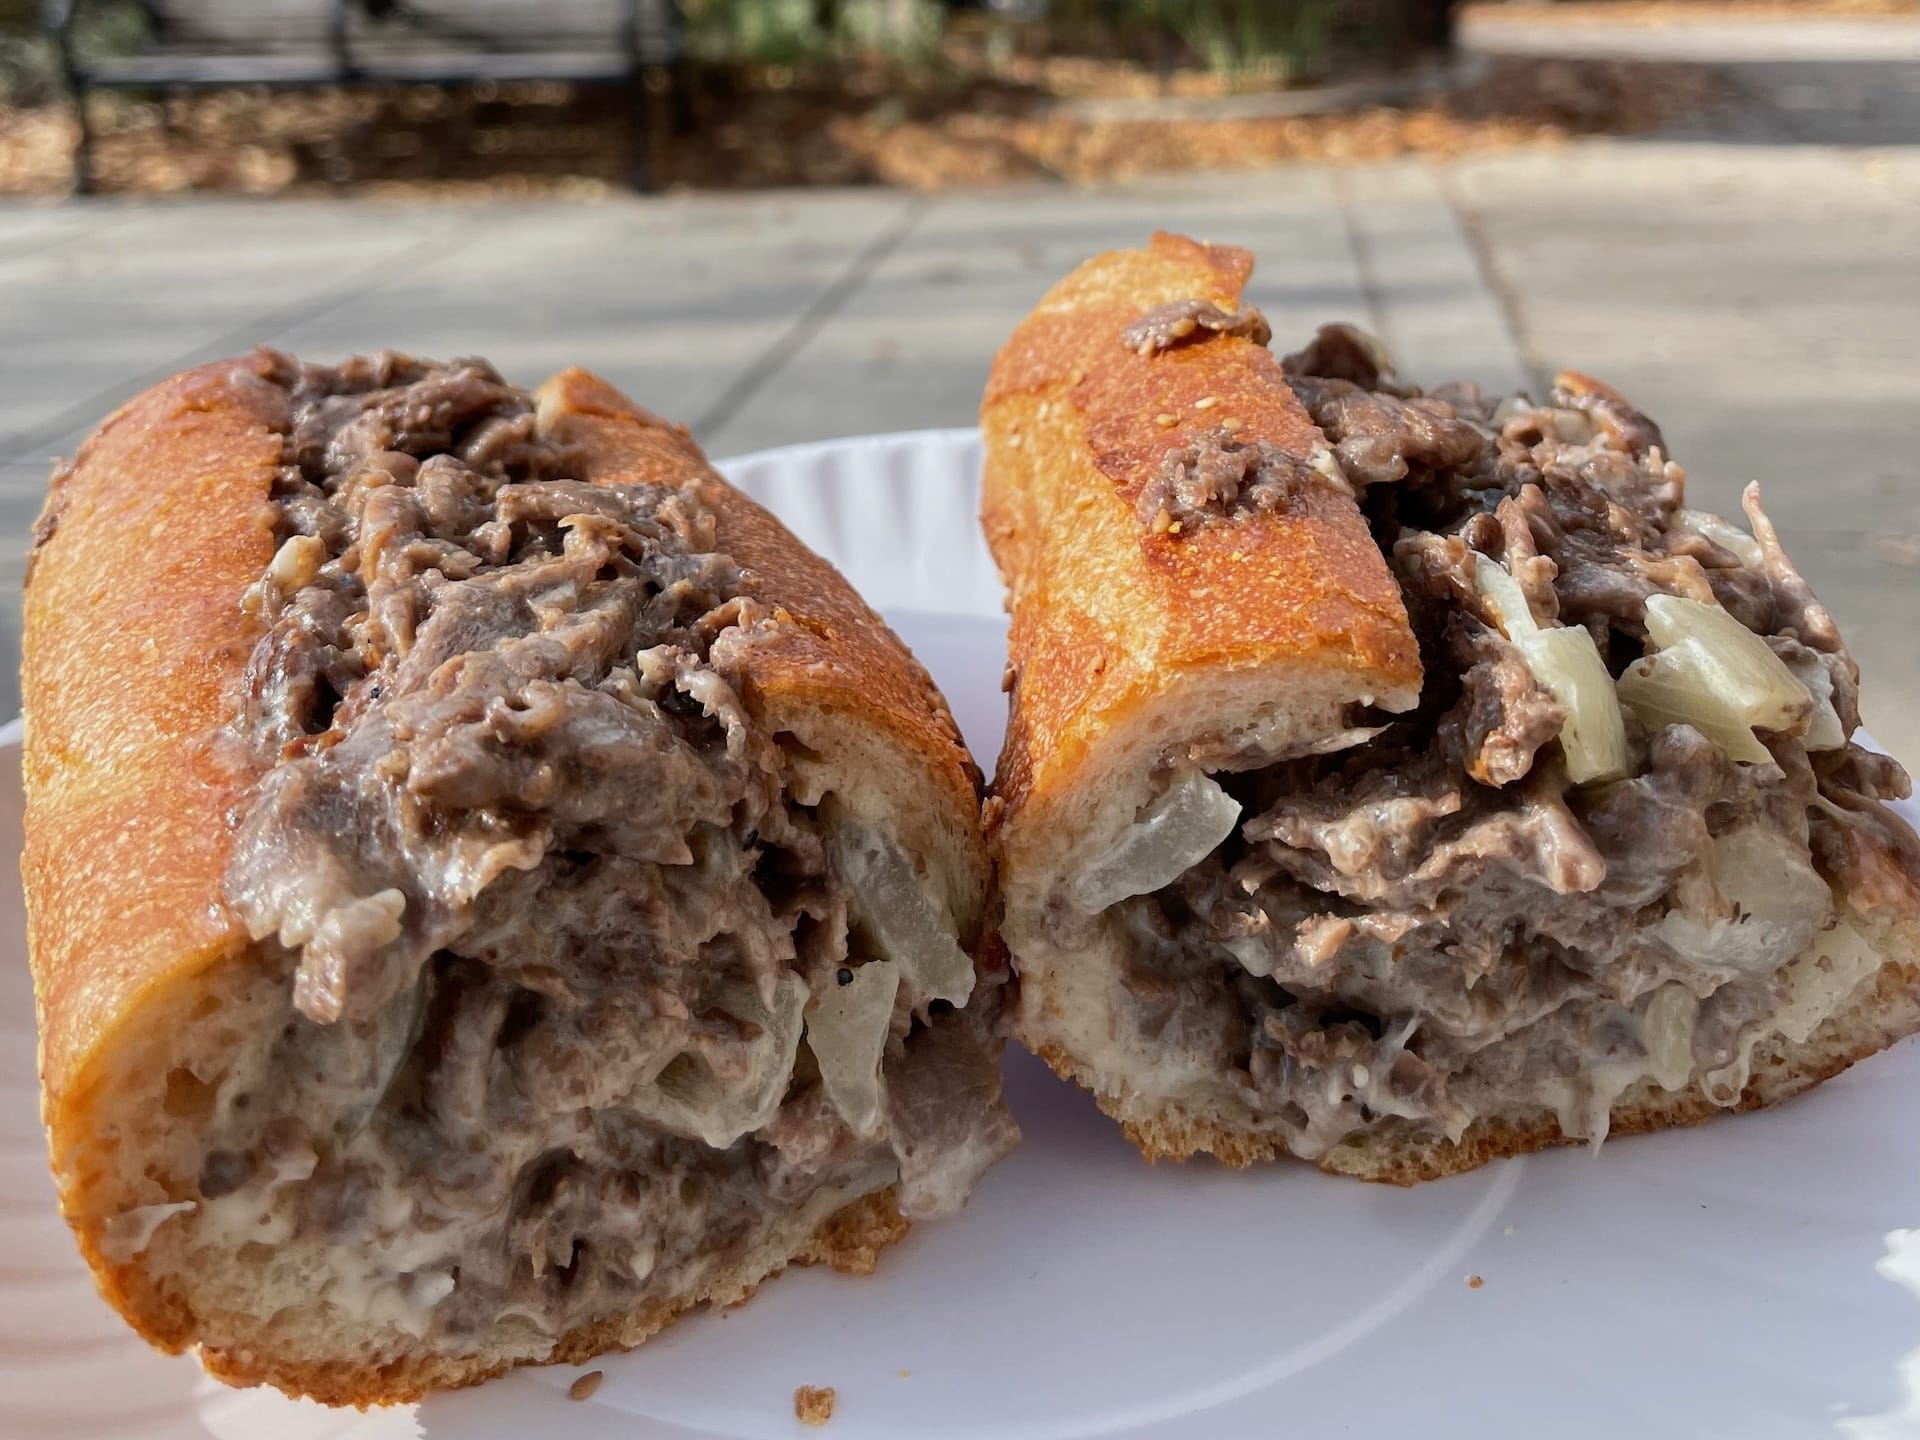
[(83, 147), (640, 129)]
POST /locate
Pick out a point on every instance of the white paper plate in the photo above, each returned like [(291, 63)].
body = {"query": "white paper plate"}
[(1754, 1278)]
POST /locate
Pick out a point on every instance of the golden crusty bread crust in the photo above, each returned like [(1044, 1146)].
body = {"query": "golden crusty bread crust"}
[(134, 639), (1107, 613), (135, 645)]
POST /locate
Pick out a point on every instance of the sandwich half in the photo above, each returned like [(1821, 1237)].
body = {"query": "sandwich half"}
[(1401, 780), (491, 888)]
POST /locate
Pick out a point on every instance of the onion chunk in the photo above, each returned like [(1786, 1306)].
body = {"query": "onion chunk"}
[(1722, 532), (1816, 984), (396, 1033), (1668, 1028), (689, 1098), (1824, 730), (847, 1030), (1711, 672), (1778, 900), (1567, 664), (891, 902), (1177, 832)]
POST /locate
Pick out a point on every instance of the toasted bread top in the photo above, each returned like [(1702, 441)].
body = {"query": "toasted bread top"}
[(1111, 615)]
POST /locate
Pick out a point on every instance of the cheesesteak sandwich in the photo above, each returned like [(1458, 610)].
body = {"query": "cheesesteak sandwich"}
[(1401, 780), (491, 887)]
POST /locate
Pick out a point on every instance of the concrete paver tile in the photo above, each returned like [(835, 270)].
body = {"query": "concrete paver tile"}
[(912, 346)]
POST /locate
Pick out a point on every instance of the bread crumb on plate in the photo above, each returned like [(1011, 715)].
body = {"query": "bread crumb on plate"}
[(1474, 1282), (813, 1404), (583, 1387)]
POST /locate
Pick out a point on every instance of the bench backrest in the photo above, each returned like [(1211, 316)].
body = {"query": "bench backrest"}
[(266, 25)]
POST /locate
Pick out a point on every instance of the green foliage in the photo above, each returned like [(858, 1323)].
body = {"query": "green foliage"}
[(29, 66), (1276, 39), (905, 30), (1287, 37), (27, 71), (802, 32)]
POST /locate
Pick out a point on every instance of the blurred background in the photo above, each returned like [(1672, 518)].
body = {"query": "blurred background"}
[(784, 220)]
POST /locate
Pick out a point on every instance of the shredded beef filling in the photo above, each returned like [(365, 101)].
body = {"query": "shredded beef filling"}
[(1219, 475), (1433, 923), (548, 917), (1179, 321)]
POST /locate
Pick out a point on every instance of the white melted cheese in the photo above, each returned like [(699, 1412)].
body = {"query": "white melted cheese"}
[(130, 1232), (1817, 984)]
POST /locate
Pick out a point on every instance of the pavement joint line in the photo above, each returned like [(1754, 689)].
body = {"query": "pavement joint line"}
[(832, 298), (80, 224), (443, 240), (37, 245), (1359, 247), (1505, 299)]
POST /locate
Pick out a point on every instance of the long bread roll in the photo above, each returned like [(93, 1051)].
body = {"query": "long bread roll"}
[(1400, 780), (491, 887)]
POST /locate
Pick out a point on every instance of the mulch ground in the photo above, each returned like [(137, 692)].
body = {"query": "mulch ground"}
[(773, 129)]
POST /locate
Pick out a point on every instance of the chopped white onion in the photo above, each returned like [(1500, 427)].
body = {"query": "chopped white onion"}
[(1770, 877), (1714, 674), (1780, 899), (1824, 730), (1504, 597), (297, 562), (1760, 678), (1836, 965), (1722, 532), (847, 1031), (1326, 464), (396, 1031), (1818, 982), (891, 901), (1669, 694), (690, 1099), (1510, 408), (1667, 1032), (430, 1287), (1567, 664), (1575, 427), (1177, 832), (1253, 952)]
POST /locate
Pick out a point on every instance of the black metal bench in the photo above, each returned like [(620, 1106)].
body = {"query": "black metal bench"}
[(302, 44)]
